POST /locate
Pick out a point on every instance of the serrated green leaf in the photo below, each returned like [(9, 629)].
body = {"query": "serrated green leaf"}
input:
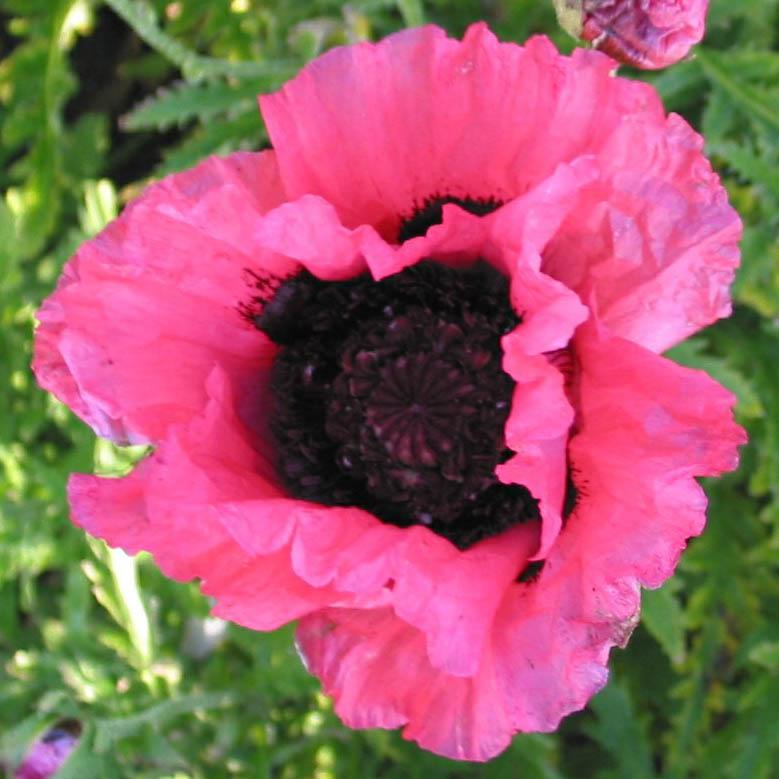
[(690, 718), (756, 748), (680, 85), (663, 617), (719, 118), (108, 732), (84, 146), (620, 733), (749, 165), (140, 15), (245, 131), (183, 102), (751, 99), (531, 756), (754, 64), (757, 283)]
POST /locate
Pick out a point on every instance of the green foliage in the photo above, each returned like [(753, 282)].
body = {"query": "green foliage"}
[(162, 689)]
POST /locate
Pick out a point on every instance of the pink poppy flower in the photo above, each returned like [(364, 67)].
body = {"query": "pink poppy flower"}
[(402, 375), (644, 33)]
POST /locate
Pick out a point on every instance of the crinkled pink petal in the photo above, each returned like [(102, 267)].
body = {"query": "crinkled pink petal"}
[(169, 496), (346, 547), (375, 667), (309, 231), (209, 484), (324, 544), (144, 311), (550, 312), (645, 33), (451, 596), (425, 116), (510, 238), (648, 427), (537, 432), (453, 242), (540, 409), (168, 507), (654, 244), (261, 595), (541, 413), (188, 544), (377, 129), (541, 467), (527, 223)]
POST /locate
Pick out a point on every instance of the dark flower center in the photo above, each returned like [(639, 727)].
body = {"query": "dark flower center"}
[(391, 396), (431, 212)]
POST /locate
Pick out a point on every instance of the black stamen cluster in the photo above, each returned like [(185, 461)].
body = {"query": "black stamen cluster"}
[(390, 396)]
